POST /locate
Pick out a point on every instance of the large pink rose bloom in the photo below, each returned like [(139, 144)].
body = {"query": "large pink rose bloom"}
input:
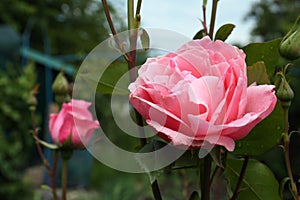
[(198, 96), (74, 123)]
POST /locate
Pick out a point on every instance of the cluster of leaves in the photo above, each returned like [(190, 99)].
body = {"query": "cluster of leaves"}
[(15, 122)]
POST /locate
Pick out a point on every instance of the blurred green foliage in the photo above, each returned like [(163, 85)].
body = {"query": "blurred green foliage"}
[(73, 26), (273, 18), (15, 123)]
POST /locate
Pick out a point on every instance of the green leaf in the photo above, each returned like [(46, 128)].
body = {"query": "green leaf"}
[(145, 39), (46, 187), (259, 182), (153, 146), (188, 160), (224, 31), (200, 34), (266, 51), (220, 187), (282, 185), (257, 73), (194, 196), (110, 77), (263, 136), (46, 144), (218, 154)]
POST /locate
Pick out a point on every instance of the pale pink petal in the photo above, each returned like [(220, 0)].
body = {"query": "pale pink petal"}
[(176, 138), (261, 99), (207, 91), (154, 112), (82, 132), (54, 132)]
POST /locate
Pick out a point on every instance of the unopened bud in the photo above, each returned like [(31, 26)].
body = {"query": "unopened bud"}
[(60, 88), (32, 102), (290, 45), (60, 85), (284, 93)]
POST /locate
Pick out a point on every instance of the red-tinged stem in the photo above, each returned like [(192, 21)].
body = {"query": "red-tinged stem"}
[(113, 30), (286, 140), (240, 180), (131, 60), (204, 23), (50, 171)]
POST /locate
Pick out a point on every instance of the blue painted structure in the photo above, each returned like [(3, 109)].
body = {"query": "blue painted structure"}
[(51, 65)]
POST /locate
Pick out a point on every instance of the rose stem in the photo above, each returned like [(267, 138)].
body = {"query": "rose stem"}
[(286, 141), (204, 23), (131, 60), (240, 180), (133, 30), (185, 183), (156, 191), (113, 30), (213, 18), (138, 8), (64, 179), (42, 156), (205, 171), (216, 170)]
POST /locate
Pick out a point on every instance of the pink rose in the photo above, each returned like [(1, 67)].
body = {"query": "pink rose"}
[(74, 123), (198, 96)]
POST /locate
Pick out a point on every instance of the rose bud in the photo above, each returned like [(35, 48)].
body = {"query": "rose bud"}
[(290, 44), (60, 84), (60, 87), (284, 92), (73, 126)]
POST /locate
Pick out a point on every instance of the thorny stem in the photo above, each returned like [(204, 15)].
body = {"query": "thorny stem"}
[(50, 171), (240, 180), (213, 18), (286, 140)]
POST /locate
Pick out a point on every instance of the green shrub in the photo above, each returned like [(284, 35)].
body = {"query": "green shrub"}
[(16, 144)]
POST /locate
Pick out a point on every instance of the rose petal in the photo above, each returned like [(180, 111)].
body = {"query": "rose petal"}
[(261, 99)]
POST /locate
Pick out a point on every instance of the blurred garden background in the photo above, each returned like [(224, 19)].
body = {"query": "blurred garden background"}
[(37, 39)]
